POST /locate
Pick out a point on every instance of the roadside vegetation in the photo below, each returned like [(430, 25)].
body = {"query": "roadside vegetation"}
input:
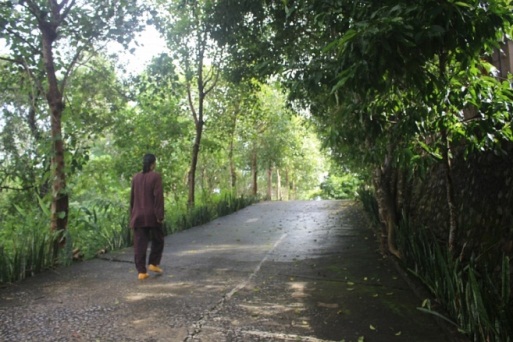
[(409, 102)]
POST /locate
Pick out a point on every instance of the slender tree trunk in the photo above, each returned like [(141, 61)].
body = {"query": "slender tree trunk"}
[(446, 160), (194, 160), (269, 183), (254, 168), (60, 201), (233, 174), (287, 183), (449, 190), (384, 180), (278, 185)]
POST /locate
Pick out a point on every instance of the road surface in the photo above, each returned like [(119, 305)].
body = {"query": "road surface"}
[(275, 271)]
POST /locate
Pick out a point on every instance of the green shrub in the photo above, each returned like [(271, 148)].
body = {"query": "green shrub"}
[(473, 296), (340, 186), (26, 246), (369, 203), (203, 213), (94, 227)]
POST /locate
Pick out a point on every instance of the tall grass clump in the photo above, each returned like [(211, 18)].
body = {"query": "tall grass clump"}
[(99, 226), (26, 244), (181, 217), (370, 204), (472, 295)]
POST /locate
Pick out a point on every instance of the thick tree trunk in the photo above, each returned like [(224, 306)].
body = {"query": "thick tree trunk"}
[(60, 201)]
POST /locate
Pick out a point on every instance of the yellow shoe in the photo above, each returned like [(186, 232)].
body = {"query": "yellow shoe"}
[(143, 276), (154, 268)]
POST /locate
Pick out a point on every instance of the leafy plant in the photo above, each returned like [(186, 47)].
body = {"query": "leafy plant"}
[(472, 295)]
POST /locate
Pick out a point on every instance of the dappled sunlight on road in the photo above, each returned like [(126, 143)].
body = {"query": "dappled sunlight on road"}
[(282, 272), (298, 290), (224, 248)]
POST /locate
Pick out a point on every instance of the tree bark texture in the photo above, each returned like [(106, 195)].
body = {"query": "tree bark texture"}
[(385, 182), (194, 162), (60, 201)]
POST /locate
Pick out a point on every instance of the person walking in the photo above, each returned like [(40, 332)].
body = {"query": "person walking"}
[(147, 217)]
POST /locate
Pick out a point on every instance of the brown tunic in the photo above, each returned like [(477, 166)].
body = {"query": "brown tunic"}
[(146, 200)]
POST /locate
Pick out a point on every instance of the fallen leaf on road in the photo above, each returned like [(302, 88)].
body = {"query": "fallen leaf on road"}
[(329, 306)]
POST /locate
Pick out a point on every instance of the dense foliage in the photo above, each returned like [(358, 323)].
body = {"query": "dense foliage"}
[(404, 95), (74, 129)]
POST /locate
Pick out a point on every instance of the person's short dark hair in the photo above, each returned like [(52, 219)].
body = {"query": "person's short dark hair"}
[(148, 160)]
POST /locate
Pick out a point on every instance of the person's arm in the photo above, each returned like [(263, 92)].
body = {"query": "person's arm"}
[(158, 193)]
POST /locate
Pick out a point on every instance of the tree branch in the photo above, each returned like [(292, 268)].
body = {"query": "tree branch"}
[(16, 189), (35, 50), (214, 83), (66, 10), (34, 9), (70, 68), (38, 84)]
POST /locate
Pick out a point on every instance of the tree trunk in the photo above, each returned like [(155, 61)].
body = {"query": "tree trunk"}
[(446, 160), (278, 185), (269, 183), (384, 181), (287, 183), (449, 190), (60, 201), (233, 174), (254, 168), (194, 161)]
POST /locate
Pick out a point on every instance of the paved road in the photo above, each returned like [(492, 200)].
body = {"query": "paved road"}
[(276, 271)]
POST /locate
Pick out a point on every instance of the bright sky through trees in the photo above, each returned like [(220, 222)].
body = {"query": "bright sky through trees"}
[(147, 45)]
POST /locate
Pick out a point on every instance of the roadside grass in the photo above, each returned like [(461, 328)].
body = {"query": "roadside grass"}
[(95, 227), (474, 295)]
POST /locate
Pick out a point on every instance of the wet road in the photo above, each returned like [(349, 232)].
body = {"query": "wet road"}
[(276, 271)]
